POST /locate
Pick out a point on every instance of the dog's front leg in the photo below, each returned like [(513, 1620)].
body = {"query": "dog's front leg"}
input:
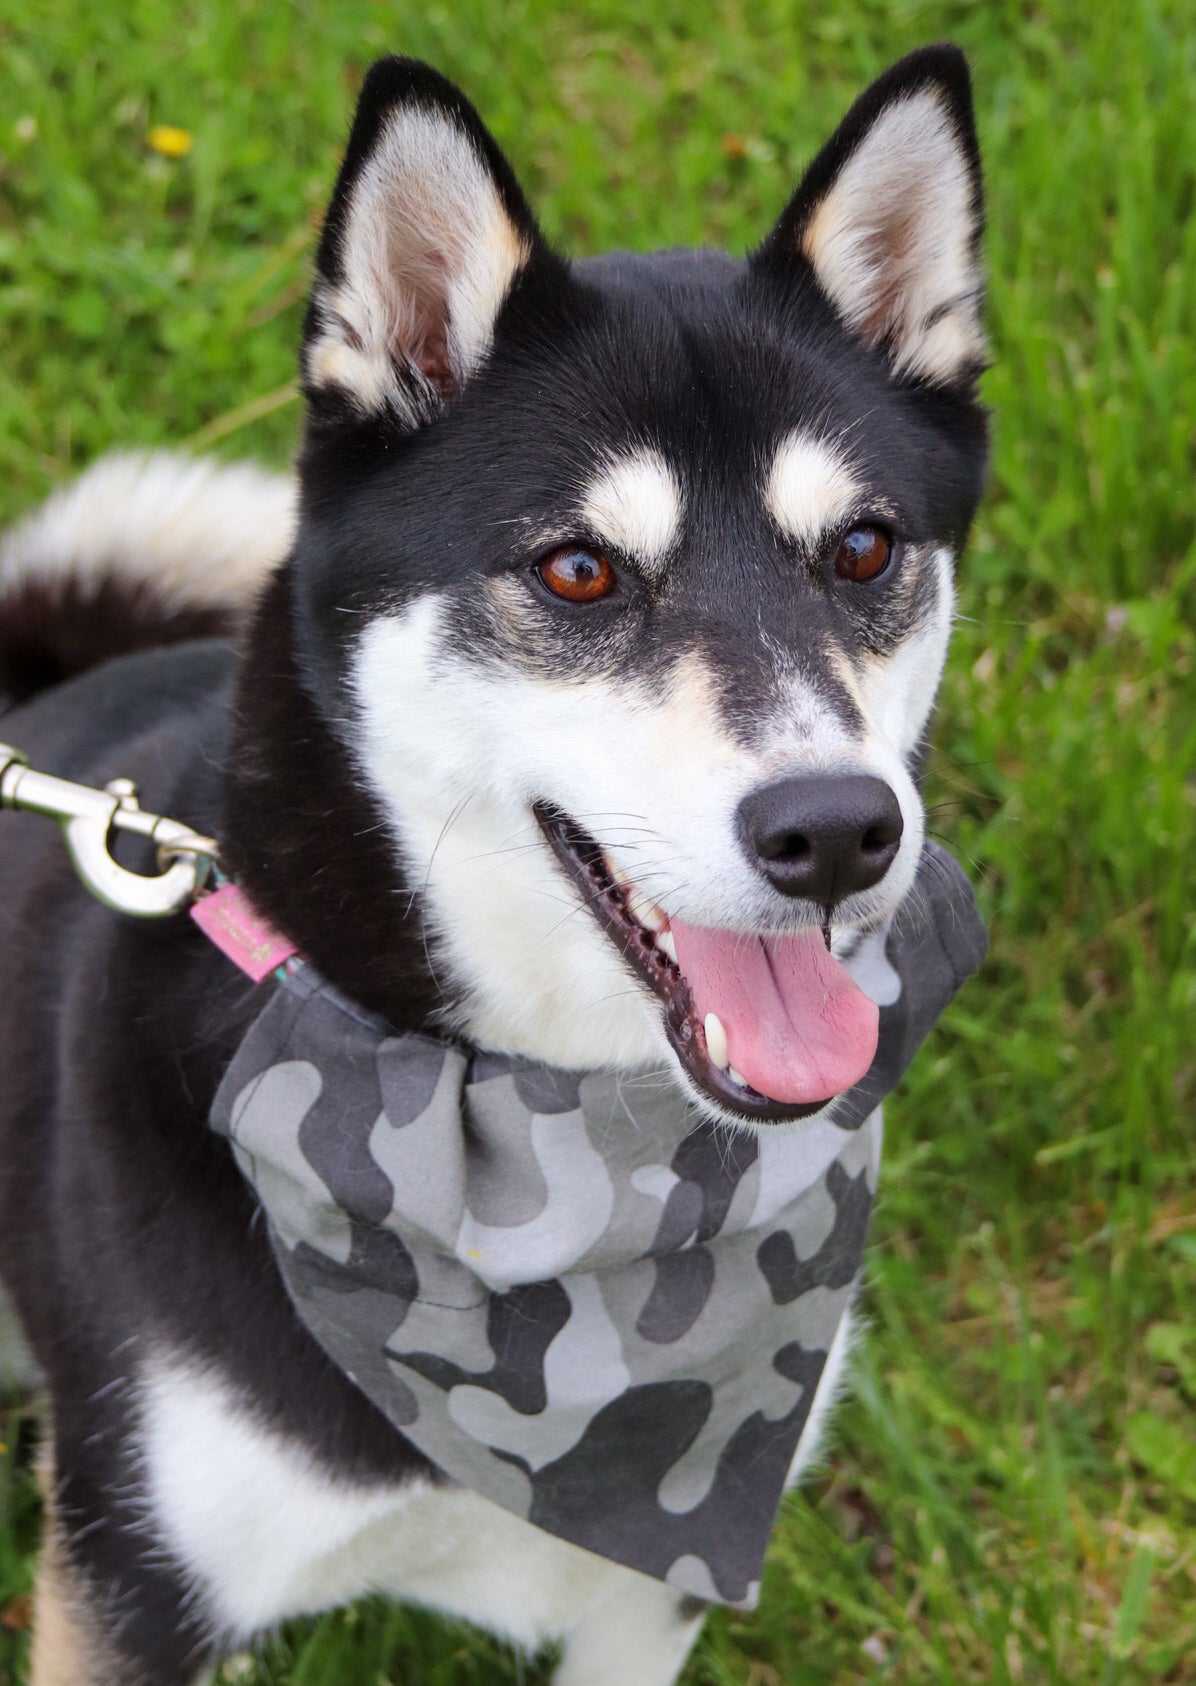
[(91, 1628), (638, 1634), (70, 1644), (67, 1647)]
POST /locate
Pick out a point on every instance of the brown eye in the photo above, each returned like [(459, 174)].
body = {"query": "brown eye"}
[(579, 576), (863, 554)]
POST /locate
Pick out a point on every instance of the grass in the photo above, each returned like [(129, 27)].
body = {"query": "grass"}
[(1012, 1497)]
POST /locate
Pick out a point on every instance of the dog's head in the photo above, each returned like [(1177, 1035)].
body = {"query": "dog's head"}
[(628, 583)]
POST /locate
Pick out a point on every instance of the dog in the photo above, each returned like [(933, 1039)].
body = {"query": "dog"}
[(593, 650)]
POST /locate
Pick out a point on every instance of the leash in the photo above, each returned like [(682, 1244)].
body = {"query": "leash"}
[(89, 819), (188, 876)]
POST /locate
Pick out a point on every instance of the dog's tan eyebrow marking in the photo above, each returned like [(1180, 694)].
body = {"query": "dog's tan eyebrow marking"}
[(634, 502), (810, 488)]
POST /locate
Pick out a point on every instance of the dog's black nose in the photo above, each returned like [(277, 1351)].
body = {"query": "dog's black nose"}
[(824, 836)]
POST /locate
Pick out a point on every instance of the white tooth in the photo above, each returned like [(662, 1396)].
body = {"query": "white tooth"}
[(716, 1041), (667, 943), (738, 1077), (646, 911)]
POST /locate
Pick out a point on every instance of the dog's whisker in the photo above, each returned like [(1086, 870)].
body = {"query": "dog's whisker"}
[(453, 817)]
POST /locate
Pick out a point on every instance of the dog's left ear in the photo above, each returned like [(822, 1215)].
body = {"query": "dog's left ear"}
[(426, 235), (889, 218)]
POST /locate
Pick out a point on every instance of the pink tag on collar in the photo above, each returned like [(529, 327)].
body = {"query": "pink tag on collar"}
[(230, 920)]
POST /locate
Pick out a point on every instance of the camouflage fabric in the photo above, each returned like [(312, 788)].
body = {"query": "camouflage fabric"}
[(571, 1292)]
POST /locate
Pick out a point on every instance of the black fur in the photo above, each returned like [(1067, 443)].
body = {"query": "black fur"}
[(305, 839), (51, 632), (124, 1223)]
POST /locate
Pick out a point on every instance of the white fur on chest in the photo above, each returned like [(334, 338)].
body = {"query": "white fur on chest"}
[(263, 1533)]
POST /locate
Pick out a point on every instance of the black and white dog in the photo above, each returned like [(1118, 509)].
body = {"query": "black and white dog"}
[(599, 638)]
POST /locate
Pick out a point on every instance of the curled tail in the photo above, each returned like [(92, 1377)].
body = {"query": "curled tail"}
[(141, 550)]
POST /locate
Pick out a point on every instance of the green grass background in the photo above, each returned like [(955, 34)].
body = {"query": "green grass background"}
[(1012, 1493)]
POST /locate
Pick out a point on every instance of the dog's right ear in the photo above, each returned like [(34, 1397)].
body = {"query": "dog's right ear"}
[(425, 236)]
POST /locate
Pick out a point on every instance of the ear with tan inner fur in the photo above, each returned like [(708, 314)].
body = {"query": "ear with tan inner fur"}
[(889, 218), (426, 234)]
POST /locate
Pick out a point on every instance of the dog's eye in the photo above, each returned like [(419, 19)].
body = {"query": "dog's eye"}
[(577, 574), (863, 554)]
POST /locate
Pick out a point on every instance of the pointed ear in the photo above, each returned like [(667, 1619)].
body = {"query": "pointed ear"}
[(425, 236), (889, 218)]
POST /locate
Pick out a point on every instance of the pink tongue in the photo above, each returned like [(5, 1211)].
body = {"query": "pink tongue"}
[(798, 1027)]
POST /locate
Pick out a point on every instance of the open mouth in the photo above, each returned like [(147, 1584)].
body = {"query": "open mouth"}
[(800, 1029)]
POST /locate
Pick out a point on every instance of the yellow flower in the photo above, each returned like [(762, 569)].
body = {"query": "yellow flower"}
[(171, 143)]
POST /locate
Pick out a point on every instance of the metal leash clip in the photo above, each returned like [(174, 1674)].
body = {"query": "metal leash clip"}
[(89, 818)]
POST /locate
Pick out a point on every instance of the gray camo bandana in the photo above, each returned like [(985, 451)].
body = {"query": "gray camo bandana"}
[(571, 1293)]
